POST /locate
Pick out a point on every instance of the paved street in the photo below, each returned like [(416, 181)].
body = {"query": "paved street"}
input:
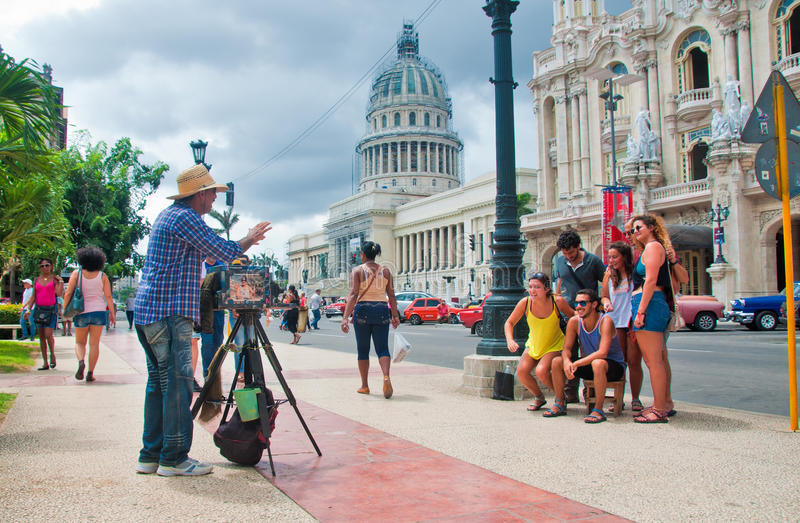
[(731, 367)]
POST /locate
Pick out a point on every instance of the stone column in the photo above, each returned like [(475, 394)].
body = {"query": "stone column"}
[(460, 244), (404, 254), (398, 255), (419, 252), (576, 181), (586, 174), (745, 63), (442, 247), (562, 154), (652, 102), (425, 247), (731, 67)]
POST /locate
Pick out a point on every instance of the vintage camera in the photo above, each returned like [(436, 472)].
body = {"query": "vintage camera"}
[(242, 286)]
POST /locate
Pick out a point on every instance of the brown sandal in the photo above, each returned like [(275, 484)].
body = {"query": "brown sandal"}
[(363, 390), (652, 415)]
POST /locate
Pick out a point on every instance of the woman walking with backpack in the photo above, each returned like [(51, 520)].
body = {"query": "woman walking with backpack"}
[(374, 307)]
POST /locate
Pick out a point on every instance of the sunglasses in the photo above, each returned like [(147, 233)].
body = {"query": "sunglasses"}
[(582, 303), (635, 229), (44, 265)]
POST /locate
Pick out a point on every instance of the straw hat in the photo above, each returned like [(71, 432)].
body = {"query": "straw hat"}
[(196, 179)]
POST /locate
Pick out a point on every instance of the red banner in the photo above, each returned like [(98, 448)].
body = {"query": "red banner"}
[(617, 209)]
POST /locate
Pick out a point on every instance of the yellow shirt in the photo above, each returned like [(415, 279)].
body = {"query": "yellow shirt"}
[(544, 334)]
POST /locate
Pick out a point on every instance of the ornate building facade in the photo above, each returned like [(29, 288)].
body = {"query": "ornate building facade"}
[(688, 72)]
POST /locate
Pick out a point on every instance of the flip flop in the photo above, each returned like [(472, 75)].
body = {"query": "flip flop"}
[(594, 419), (537, 404), (671, 413)]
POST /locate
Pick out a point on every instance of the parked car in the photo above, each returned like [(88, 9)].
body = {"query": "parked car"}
[(405, 298), (335, 309), (700, 313), (473, 318), (423, 309), (760, 312)]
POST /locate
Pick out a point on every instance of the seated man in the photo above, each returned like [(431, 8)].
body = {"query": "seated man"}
[(602, 359)]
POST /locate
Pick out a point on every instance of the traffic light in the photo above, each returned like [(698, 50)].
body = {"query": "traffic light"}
[(472, 242), (229, 195)]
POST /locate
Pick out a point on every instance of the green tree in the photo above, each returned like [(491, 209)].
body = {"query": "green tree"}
[(107, 190), (227, 219), (523, 200)]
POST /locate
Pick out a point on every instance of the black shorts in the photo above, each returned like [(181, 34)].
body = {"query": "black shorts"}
[(615, 371)]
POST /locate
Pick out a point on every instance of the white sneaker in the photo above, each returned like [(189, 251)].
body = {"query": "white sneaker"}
[(146, 468), (189, 467)]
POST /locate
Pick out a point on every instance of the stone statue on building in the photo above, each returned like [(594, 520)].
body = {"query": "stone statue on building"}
[(632, 154), (733, 105), (720, 127), (744, 113), (643, 124), (649, 147)]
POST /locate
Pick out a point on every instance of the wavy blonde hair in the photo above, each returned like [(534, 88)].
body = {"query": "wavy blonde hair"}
[(659, 230)]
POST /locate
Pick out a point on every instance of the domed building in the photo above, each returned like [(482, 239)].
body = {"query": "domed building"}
[(433, 229), (409, 145)]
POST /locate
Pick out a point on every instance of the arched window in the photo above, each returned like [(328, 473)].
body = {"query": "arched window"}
[(383, 121), (787, 29), (692, 61), (397, 119), (427, 119), (412, 118)]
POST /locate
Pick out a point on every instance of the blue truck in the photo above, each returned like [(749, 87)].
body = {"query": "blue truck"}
[(760, 312)]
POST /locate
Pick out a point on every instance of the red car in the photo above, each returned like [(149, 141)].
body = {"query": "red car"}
[(700, 313), (473, 318), (335, 309), (423, 309)]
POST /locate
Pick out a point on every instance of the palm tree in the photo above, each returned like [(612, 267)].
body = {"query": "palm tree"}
[(226, 219), (523, 199)]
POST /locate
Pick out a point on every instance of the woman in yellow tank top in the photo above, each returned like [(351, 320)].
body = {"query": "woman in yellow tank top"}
[(545, 339)]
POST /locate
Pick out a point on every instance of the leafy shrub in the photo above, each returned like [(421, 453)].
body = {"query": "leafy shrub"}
[(9, 315)]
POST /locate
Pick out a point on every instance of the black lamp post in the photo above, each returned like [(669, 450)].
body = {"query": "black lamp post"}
[(199, 153), (719, 214), (408, 282), (506, 264)]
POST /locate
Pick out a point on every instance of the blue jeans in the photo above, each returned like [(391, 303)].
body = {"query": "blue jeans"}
[(317, 315), (167, 434), (28, 326), (209, 343)]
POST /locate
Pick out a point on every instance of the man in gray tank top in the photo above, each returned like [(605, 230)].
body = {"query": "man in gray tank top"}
[(602, 359)]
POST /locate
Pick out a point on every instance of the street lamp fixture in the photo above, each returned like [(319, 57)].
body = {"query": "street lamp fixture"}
[(199, 152), (611, 100), (408, 282), (719, 214)]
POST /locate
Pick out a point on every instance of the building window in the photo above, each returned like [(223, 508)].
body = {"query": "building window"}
[(374, 124), (448, 185), (383, 121), (692, 61), (438, 121), (414, 181), (787, 29), (697, 155), (433, 182), (412, 118), (404, 157), (427, 119), (397, 119), (394, 182), (394, 157), (413, 155)]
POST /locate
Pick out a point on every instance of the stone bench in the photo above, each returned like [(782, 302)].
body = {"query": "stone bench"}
[(13, 327)]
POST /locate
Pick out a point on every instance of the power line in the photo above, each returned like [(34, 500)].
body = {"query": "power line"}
[(316, 124)]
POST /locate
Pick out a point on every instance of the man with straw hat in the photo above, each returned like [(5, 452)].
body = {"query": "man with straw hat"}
[(167, 304)]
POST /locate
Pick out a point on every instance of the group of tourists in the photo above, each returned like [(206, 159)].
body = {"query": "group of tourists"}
[(580, 333)]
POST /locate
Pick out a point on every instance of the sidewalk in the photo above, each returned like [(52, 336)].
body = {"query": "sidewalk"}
[(67, 451)]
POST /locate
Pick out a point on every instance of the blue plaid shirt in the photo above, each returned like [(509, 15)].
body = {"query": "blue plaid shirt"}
[(170, 283)]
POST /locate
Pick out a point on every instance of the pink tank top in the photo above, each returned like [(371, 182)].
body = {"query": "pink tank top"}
[(93, 298), (46, 294)]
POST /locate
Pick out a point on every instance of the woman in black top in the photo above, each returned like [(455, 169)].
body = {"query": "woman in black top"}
[(293, 313)]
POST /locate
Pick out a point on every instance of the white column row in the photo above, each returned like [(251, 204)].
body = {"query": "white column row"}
[(438, 248), (405, 157)]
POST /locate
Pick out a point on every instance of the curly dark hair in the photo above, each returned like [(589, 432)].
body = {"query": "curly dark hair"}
[(91, 258), (568, 239)]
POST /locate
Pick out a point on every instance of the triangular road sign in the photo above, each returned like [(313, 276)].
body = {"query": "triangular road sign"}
[(760, 126), (766, 160)]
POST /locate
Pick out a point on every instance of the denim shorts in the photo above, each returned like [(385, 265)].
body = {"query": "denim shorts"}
[(90, 318), (656, 317)]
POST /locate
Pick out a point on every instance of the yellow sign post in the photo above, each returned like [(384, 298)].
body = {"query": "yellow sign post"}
[(782, 171)]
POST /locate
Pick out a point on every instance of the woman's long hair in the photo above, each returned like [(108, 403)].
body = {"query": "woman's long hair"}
[(659, 230), (625, 251)]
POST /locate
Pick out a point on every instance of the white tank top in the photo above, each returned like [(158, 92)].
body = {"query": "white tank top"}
[(621, 302)]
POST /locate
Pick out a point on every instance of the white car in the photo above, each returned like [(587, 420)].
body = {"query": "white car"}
[(405, 298)]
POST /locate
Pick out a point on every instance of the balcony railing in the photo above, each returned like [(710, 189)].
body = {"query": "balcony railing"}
[(680, 191), (694, 103)]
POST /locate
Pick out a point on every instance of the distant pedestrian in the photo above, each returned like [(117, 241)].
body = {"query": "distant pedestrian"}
[(575, 269), (545, 339), (130, 306), (167, 303), (26, 322), (47, 287), (292, 314), (314, 304), (98, 307), (371, 289)]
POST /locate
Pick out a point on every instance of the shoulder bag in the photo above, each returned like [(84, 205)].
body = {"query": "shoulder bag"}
[(675, 317), (562, 320), (75, 304)]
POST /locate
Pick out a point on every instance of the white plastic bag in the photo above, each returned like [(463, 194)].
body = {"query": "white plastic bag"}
[(401, 347)]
